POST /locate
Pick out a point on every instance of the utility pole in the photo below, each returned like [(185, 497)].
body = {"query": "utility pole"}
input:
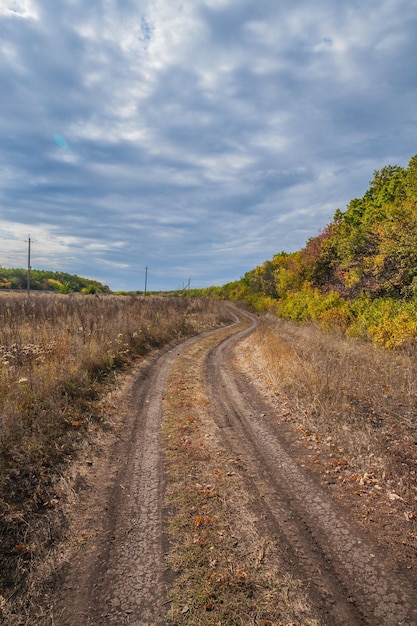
[(28, 281), (146, 278)]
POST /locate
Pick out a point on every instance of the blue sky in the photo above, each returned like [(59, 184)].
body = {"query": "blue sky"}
[(195, 137)]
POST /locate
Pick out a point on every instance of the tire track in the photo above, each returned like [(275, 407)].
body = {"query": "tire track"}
[(132, 587), (119, 579), (347, 579)]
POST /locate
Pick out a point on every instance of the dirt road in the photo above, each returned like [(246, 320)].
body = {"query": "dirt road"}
[(116, 570)]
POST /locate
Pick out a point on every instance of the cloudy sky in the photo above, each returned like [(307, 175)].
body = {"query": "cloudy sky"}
[(195, 137)]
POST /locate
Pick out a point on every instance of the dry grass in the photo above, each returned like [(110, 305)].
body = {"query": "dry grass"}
[(358, 401), (57, 355), (226, 572)]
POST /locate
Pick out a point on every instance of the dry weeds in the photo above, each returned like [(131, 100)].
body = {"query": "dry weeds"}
[(356, 401), (57, 356), (226, 572)]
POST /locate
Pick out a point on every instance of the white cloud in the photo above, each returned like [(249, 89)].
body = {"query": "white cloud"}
[(25, 9)]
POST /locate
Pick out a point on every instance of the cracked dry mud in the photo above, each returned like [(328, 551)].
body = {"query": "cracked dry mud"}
[(116, 571)]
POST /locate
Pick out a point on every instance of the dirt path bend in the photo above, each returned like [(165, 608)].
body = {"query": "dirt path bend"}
[(346, 573), (115, 569), (117, 574)]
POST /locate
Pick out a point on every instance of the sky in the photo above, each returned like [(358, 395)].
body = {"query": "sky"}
[(195, 138)]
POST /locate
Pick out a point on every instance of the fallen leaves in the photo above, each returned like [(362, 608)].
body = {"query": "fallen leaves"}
[(202, 520), (22, 550)]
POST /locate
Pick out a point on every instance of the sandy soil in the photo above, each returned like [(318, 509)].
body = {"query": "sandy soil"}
[(113, 568)]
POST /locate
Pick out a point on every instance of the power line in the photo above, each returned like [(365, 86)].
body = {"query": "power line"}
[(28, 240), (146, 278), (28, 284)]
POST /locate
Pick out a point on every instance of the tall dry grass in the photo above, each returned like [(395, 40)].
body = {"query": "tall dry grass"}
[(57, 354), (358, 401)]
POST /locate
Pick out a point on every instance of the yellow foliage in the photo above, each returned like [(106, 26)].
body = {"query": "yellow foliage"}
[(396, 331), (374, 263), (336, 319), (352, 277), (55, 284)]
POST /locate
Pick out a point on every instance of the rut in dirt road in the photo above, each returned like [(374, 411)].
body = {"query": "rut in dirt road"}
[(119, 579), (349, 581)]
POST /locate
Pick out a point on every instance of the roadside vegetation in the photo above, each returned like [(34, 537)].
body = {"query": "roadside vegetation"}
[(360, 401), (358, 276), (58, 355)]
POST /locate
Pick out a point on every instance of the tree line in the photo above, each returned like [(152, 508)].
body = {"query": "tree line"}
[(358, 275), (44, 280)]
